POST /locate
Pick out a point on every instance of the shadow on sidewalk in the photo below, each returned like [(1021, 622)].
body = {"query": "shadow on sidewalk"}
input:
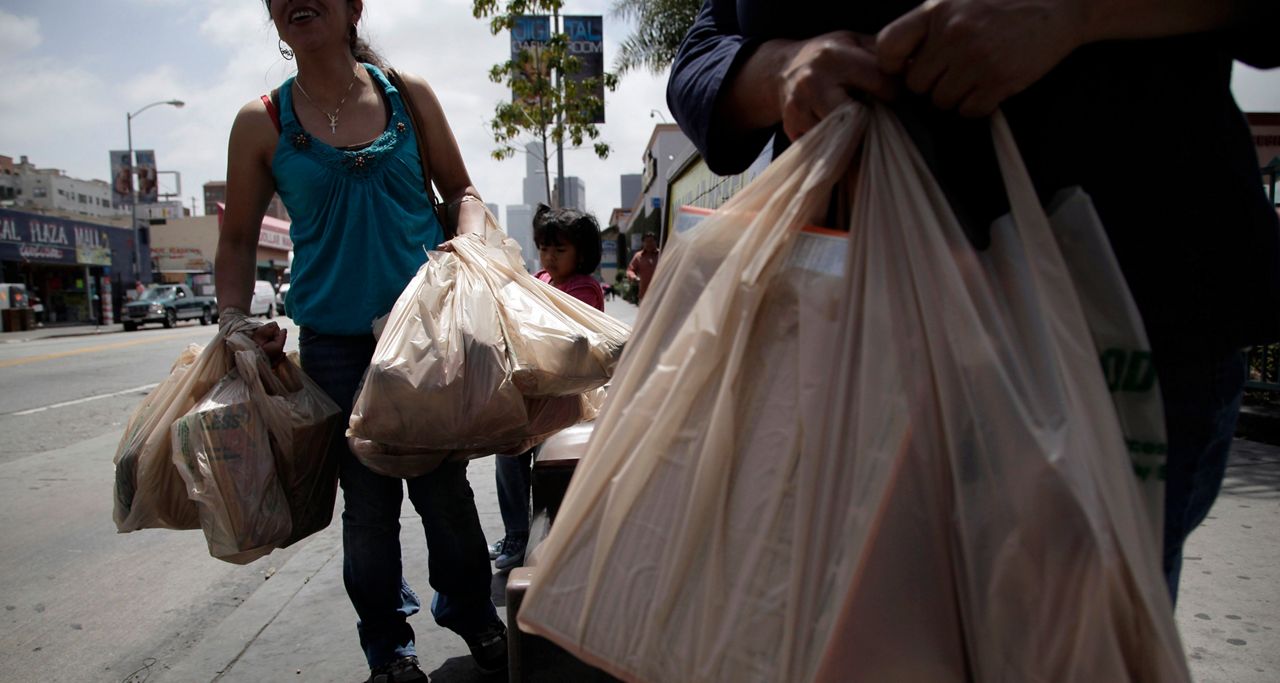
[(1253, 471)]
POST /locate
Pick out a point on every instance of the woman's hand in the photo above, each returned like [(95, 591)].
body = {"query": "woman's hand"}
[(271, 338)]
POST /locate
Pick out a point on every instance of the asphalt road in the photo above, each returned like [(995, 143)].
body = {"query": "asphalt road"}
[(81, 602)]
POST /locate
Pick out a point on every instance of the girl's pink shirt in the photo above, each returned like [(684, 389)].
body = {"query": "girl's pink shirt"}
[(581, 287)]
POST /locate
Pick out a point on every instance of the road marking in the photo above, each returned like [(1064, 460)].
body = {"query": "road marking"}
[(91, 349), (64, 404)]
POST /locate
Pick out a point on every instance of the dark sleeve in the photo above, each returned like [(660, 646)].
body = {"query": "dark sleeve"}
[(708, 59), (1256, 42)]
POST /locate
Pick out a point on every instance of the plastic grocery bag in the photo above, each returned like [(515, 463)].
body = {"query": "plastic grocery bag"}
[(149, 493), (254, 453), (478, 357), (896, 461)]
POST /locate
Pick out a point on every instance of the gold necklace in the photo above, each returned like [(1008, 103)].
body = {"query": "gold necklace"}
[(333, 118)]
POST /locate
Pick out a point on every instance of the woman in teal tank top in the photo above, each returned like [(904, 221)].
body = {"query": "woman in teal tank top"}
[(340, 149)]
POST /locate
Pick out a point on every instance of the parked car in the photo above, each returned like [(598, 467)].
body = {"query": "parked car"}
[(263, 302), (281, 295), (167, 304)]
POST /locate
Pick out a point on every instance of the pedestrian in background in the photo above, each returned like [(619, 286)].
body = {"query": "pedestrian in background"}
[(337, 144), (569, 249), (1094, 92), (644, 263)]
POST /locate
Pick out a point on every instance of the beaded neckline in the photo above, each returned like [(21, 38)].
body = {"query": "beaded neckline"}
[(358, 162)]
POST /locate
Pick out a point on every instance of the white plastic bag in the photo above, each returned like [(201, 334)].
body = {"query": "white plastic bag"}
[(903, 465), (149, 492), (478, 357), (254, 453)]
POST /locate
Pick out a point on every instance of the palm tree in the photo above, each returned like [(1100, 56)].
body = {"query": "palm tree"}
[(660, 26)]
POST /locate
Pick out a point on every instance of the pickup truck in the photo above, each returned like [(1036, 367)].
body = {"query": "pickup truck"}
[(167, 304)]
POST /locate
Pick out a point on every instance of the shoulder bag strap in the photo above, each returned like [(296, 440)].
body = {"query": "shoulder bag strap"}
[(419, 132), (272, 103)]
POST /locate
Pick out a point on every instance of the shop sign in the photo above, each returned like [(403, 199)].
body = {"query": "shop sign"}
[(180, 260), (274, 239), (93, 247), (46, 239)]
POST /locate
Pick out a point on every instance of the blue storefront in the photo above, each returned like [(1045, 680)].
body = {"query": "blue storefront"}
[(69, 265)]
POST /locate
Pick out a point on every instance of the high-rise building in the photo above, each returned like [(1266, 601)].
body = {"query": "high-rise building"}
[(631, 188), (520, 228), (575, 193), (534, 187)]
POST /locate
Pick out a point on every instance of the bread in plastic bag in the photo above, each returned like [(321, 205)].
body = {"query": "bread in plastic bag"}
[(478, 357), (899, 465), (547, 416), (149, 493), (255, 456)]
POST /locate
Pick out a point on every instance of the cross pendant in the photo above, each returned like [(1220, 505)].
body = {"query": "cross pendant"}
[(333, 123)]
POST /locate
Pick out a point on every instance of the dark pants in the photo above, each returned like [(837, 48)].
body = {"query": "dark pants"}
[(512, 475), (1201, 403), (458, 561)]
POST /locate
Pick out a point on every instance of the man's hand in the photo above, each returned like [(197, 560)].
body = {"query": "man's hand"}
[(821, 74), (971, 55), (270, 338)]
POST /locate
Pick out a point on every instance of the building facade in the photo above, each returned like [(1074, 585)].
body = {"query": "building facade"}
[(69, 264), (44, 190)]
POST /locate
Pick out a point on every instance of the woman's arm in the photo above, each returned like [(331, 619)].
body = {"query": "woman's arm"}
[(249, 189), (448, 171)]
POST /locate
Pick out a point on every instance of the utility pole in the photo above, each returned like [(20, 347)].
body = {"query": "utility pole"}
[(555, 13)]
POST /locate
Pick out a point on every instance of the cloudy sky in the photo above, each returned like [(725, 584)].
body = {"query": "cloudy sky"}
[(73, 68)]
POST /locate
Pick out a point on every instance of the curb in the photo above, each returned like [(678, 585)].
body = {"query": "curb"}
[(223, 646), (1259, 423)]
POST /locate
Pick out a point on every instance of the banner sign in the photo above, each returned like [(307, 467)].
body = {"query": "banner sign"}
[(608, 253), (46, 239), (586, 43), (273, 238), (180, 260), (148, 182), (529, 35), (121, 178)]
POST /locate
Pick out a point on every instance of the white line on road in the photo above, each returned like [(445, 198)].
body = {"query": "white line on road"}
[(64, 404)]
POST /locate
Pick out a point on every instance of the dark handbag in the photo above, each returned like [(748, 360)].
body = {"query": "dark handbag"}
[(445, 214)]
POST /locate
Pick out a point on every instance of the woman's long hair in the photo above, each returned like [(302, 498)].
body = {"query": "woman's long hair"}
[(361, 50)]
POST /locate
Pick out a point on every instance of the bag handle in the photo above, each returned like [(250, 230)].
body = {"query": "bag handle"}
[(420, 134)]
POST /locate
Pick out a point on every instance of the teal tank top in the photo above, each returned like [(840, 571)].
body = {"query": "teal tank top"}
[(361, 221)]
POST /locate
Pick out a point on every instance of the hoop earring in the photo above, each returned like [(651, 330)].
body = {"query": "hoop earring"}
[(285, 51)]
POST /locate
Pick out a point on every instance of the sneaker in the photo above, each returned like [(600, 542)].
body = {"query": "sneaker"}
[(403, 670), (512, 554), (489, 649), (496, 549)]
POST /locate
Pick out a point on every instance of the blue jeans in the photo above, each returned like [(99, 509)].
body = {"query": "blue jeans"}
[(1201, 404), (458, 560), (512, 476)]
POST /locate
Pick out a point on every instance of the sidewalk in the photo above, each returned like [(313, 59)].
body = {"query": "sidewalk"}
[(301, 626), (54, 331)]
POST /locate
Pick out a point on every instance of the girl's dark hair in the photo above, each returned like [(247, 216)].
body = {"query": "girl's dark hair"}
[(361, 50), (569, 226)]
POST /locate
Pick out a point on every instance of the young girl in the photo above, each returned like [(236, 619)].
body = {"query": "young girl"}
[(569, 249)]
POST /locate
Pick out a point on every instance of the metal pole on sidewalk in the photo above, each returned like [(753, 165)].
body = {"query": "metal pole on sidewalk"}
[(559, 123), (133, 183)]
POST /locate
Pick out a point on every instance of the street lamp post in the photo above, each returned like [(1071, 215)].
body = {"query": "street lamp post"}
[(661, 117), (133, 171)]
